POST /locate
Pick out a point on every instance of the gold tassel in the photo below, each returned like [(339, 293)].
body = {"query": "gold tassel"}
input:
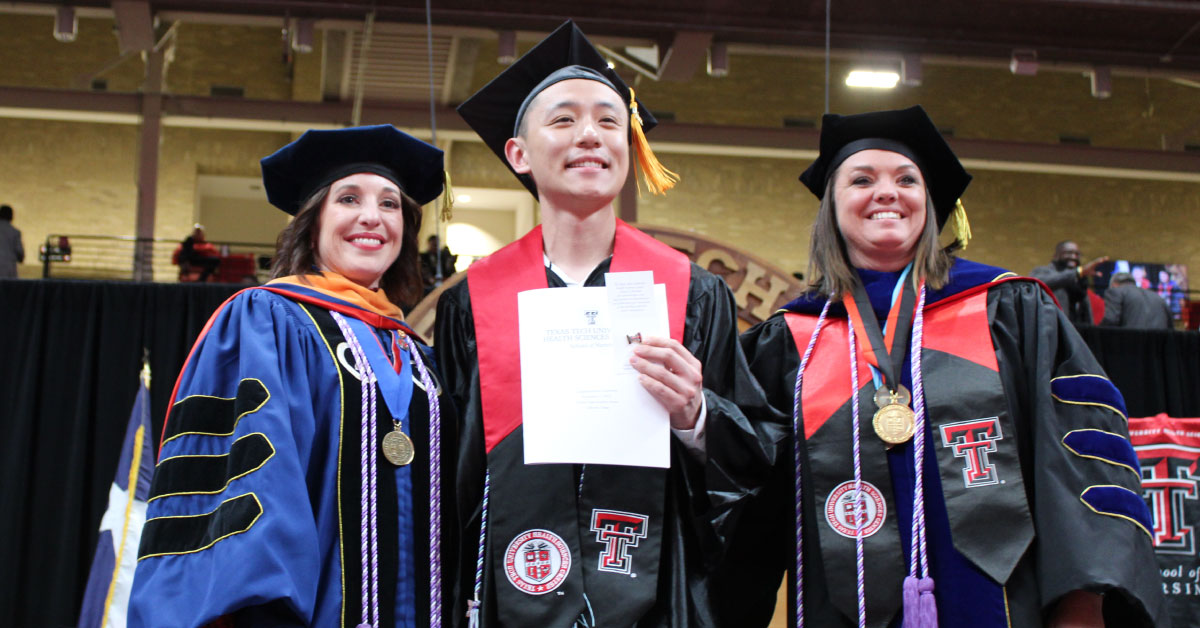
[(658, 178), (447, 198), (962, 226)]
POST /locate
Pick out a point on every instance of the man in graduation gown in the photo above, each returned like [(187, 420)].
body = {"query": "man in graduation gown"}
[(1031, 490), (589, 545)]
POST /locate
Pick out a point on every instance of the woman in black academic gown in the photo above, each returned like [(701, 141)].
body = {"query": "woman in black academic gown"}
[(1025, 468)]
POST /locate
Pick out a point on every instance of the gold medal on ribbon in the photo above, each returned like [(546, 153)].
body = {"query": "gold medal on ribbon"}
[(894, 422), (884, 397), (398, 447)]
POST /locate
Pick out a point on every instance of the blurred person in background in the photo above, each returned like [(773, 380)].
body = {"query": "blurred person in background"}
[(196, 252), (1128, 305), (1068, 280), (12, 250)]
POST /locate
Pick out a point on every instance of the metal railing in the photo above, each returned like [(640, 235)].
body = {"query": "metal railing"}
[(115, 257)]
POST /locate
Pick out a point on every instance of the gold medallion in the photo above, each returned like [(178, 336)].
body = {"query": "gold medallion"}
[(884, 397), (398, 448), (894, 423)]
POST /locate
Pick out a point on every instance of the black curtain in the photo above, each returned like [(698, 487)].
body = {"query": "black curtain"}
[(70, 354), (1155, 370)]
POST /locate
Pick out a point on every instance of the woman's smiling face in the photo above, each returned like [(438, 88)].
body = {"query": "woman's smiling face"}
[(879, 200), (361, 228)]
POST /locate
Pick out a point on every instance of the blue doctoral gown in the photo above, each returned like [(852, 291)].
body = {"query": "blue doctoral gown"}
[(255, 512)]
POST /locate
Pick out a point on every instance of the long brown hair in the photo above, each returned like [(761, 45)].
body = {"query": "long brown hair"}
[(829, 269), (296, 254)]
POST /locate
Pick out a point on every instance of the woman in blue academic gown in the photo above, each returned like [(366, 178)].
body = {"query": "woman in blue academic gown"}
[(298, 481), (962, 460)]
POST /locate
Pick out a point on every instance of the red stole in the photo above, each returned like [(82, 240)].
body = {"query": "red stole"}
[(494, 282), (957, 325), (962, 382)]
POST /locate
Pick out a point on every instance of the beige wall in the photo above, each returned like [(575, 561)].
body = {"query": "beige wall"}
[(240, 56), (978, 103), (31, 57), (240, 220), (757, 203), (78, 177)]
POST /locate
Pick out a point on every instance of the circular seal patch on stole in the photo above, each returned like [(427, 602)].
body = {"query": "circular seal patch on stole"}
[(839, 509), (537, 561)]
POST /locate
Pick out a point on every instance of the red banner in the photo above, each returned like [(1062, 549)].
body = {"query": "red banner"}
[(1168, 450)]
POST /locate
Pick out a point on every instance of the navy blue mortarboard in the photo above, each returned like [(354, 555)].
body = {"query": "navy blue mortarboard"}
[(495, 111), (294, 172), (908, 132)]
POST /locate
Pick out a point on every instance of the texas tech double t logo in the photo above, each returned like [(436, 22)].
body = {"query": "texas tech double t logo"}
[(1169, 477), (618, 531), (973, 440)]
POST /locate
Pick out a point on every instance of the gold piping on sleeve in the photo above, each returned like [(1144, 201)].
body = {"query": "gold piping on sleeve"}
[(1113, 514), (235, 421), (1071, 449), (341, 436), (228, 481), (216, 540), (1087, 403), (1091, 403)]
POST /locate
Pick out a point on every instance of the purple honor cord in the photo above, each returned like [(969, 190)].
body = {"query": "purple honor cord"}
[(369, 530), (860, 566), (796, 442), (920, 608), (435, 487), (473, 620)]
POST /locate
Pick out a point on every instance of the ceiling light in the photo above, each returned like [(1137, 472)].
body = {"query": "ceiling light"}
[(718, 60), (462, 198), (910, 70), (506, 51), (302, 37), (873, 79), (1024, 62), (66, 24), (1101, 82)]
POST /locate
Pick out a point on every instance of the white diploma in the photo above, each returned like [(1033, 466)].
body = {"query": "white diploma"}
[(581, 400)]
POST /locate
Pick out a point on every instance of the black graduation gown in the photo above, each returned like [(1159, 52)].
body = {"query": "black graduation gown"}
[(1073, 547), (698, 501)]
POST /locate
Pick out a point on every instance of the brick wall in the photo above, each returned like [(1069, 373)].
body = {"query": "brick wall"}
[(31, 57), (250, 57), (79, 177)]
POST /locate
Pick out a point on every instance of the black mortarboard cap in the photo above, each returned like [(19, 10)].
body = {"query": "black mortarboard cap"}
[(909, 132), (318, 158), (564, 54)]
